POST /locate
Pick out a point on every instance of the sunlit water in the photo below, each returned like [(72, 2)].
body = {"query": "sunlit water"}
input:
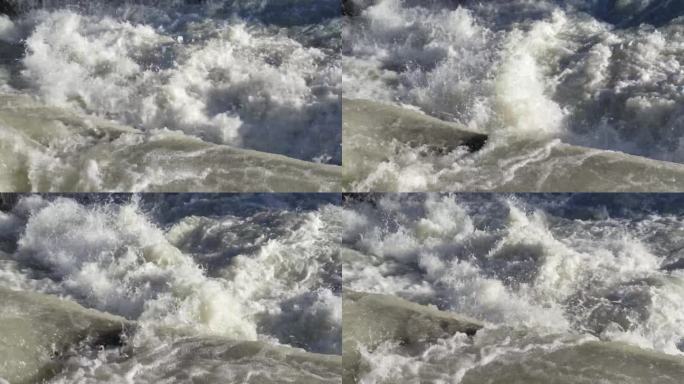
[(543, 272), (222, 268)]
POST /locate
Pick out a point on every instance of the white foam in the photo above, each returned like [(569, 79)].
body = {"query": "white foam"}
[(229, 82), (115, 260), (8, 31), (199, 276), (522, 90), (510, 263), (537, 69), (278, 286)]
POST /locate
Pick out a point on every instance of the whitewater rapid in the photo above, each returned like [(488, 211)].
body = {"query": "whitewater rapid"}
[(196, 273), (262, 76), (598, 74), (547, 274)]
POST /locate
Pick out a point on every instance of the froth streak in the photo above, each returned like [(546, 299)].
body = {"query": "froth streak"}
[(590, 362), (214, 360)]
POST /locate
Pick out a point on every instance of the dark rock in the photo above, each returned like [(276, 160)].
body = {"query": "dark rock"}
[(627, 14), (8, 8)]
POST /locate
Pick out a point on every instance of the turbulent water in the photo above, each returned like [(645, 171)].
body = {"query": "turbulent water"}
[(260, 75), (547, 274), (198, 274), (600, 74)]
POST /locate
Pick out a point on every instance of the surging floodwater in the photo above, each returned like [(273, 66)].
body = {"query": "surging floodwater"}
[(547, 274), (260, 75), (600, 74), (196, 273)]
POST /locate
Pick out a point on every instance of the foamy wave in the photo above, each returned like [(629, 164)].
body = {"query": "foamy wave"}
[(521, 262), (279, 283), (540, 69), (223, 82)]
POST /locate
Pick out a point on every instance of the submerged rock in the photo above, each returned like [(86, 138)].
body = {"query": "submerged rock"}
[(365, 119), (369, 129), (36, 329), (371, 319)]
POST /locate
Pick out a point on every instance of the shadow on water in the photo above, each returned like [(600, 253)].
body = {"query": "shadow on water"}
[(621, 13), (7, 7), (283, 13), (170, 207), (632, 13)]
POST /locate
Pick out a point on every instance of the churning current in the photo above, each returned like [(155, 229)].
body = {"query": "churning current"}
[(599, 74), (206, 279), (260, 75), (549, 275)]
